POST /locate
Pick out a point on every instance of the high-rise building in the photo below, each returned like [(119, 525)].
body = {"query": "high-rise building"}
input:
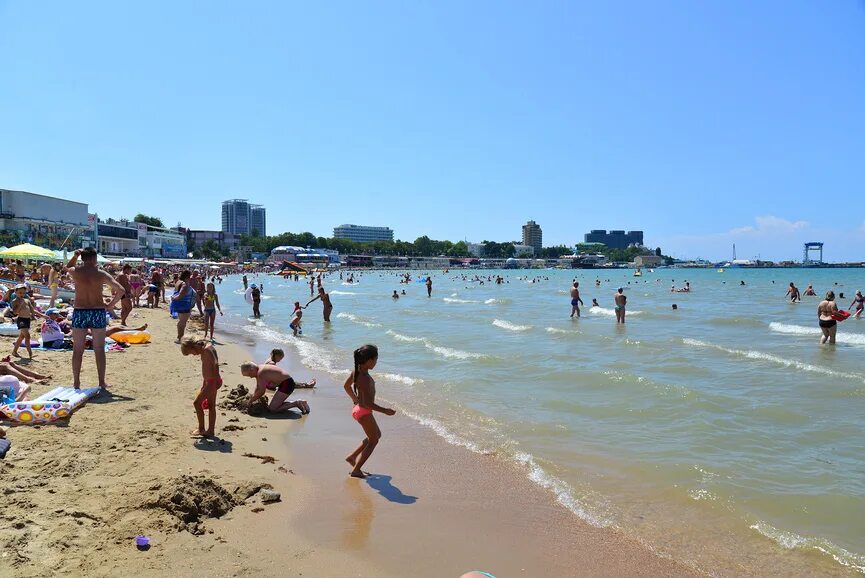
[(616, 239), (241, 218), (533, 236), (258, 220), (363, 234)]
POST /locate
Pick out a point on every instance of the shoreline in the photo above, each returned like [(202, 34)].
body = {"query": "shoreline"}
[(78, 494)]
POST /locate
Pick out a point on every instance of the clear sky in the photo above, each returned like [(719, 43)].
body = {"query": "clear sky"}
[(701, 123)]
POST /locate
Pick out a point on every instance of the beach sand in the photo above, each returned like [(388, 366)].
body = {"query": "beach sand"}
[(76, 495)]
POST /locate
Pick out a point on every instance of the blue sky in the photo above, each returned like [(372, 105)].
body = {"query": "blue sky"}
[(701, 123)]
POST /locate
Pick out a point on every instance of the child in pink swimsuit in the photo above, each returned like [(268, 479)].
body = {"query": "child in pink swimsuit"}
[(360, 387)]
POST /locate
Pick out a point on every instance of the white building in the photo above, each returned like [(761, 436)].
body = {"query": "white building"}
[(363, 234), (43, 220), (121, 237)]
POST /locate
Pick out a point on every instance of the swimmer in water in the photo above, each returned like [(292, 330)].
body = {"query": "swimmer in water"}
[(793, 292), (595, 303), (809, 292), (825, 310), (395, 294), (859, 302)]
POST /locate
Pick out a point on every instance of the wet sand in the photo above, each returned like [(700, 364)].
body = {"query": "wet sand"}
[(77, 494)]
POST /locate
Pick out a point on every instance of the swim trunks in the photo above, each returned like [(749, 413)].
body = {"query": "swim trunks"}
[(286, 387), (575, 302), (89, 319), (23, 322), (215, 381), (359, 411), (827, 323), (619, 307)]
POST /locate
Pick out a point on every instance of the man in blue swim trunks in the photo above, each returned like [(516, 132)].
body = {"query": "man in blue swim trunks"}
[(575, 299), (89, 313)]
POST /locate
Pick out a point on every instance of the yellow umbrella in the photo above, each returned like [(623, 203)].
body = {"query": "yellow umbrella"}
[(27, 251)]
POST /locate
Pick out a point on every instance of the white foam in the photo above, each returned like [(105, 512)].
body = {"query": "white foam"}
[(760, 356), (359, 320), (510, 326), (497, 301), (842, 337), (558, 331), (447, 352), (610, 312), (452, 300), (337, 292), (791, 541), (402, 378)]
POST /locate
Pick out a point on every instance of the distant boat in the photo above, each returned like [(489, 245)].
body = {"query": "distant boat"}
[(720, 270)]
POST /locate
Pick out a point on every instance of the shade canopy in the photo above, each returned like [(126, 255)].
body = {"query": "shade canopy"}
[(27, 251)]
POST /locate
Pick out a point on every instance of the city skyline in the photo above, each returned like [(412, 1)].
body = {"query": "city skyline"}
[(648, 118)]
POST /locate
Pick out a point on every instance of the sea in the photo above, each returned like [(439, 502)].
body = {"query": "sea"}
[(721, 433)]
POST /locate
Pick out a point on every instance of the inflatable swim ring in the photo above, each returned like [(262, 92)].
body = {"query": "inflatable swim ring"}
[(132, 337), (248, 296)]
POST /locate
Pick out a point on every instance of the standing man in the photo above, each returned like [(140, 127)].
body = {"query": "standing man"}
[(575, 299), (245, 282), (620, 300), (256, 301), (126, 299), (89, 314), (429, 286), (793, 292)]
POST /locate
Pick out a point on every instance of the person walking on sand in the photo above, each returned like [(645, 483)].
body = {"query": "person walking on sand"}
[(266, 375), (360, 387), (54, 283), (89, 313), (126, 298), (197, 284), (211, 304), (429, 286), (206, 398), (621, 299), (575, 299), (325, 301), (825, 317), (182, 303)]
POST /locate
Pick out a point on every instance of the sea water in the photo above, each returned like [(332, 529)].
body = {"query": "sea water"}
[(721, 433)]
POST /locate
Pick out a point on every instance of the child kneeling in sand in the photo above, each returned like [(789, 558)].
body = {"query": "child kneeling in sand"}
[(277, 355), (285, 385), (212, 382)]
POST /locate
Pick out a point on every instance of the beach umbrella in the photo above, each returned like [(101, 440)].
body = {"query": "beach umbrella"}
[(27, 251)]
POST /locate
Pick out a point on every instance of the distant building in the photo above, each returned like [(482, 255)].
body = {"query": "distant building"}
[(242, 218), (648, 260), (615, 239), (43, 220), (225, 241), (121, 237), (524, 250), (363, 234), (533, 236), (258, 220)]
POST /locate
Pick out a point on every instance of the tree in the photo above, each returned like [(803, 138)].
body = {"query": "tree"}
[(147, 220), (658, 252)]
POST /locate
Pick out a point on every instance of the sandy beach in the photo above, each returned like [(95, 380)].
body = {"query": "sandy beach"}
[(78, 494)]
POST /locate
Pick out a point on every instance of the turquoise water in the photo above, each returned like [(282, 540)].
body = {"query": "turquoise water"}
[(721, 434)]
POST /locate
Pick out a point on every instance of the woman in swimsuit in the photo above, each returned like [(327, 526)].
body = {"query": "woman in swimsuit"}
[(135, 284), (828, 325), (360, 387), (859, 302)]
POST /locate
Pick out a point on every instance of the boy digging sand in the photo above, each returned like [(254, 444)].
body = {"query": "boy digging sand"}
[(212, 382)]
